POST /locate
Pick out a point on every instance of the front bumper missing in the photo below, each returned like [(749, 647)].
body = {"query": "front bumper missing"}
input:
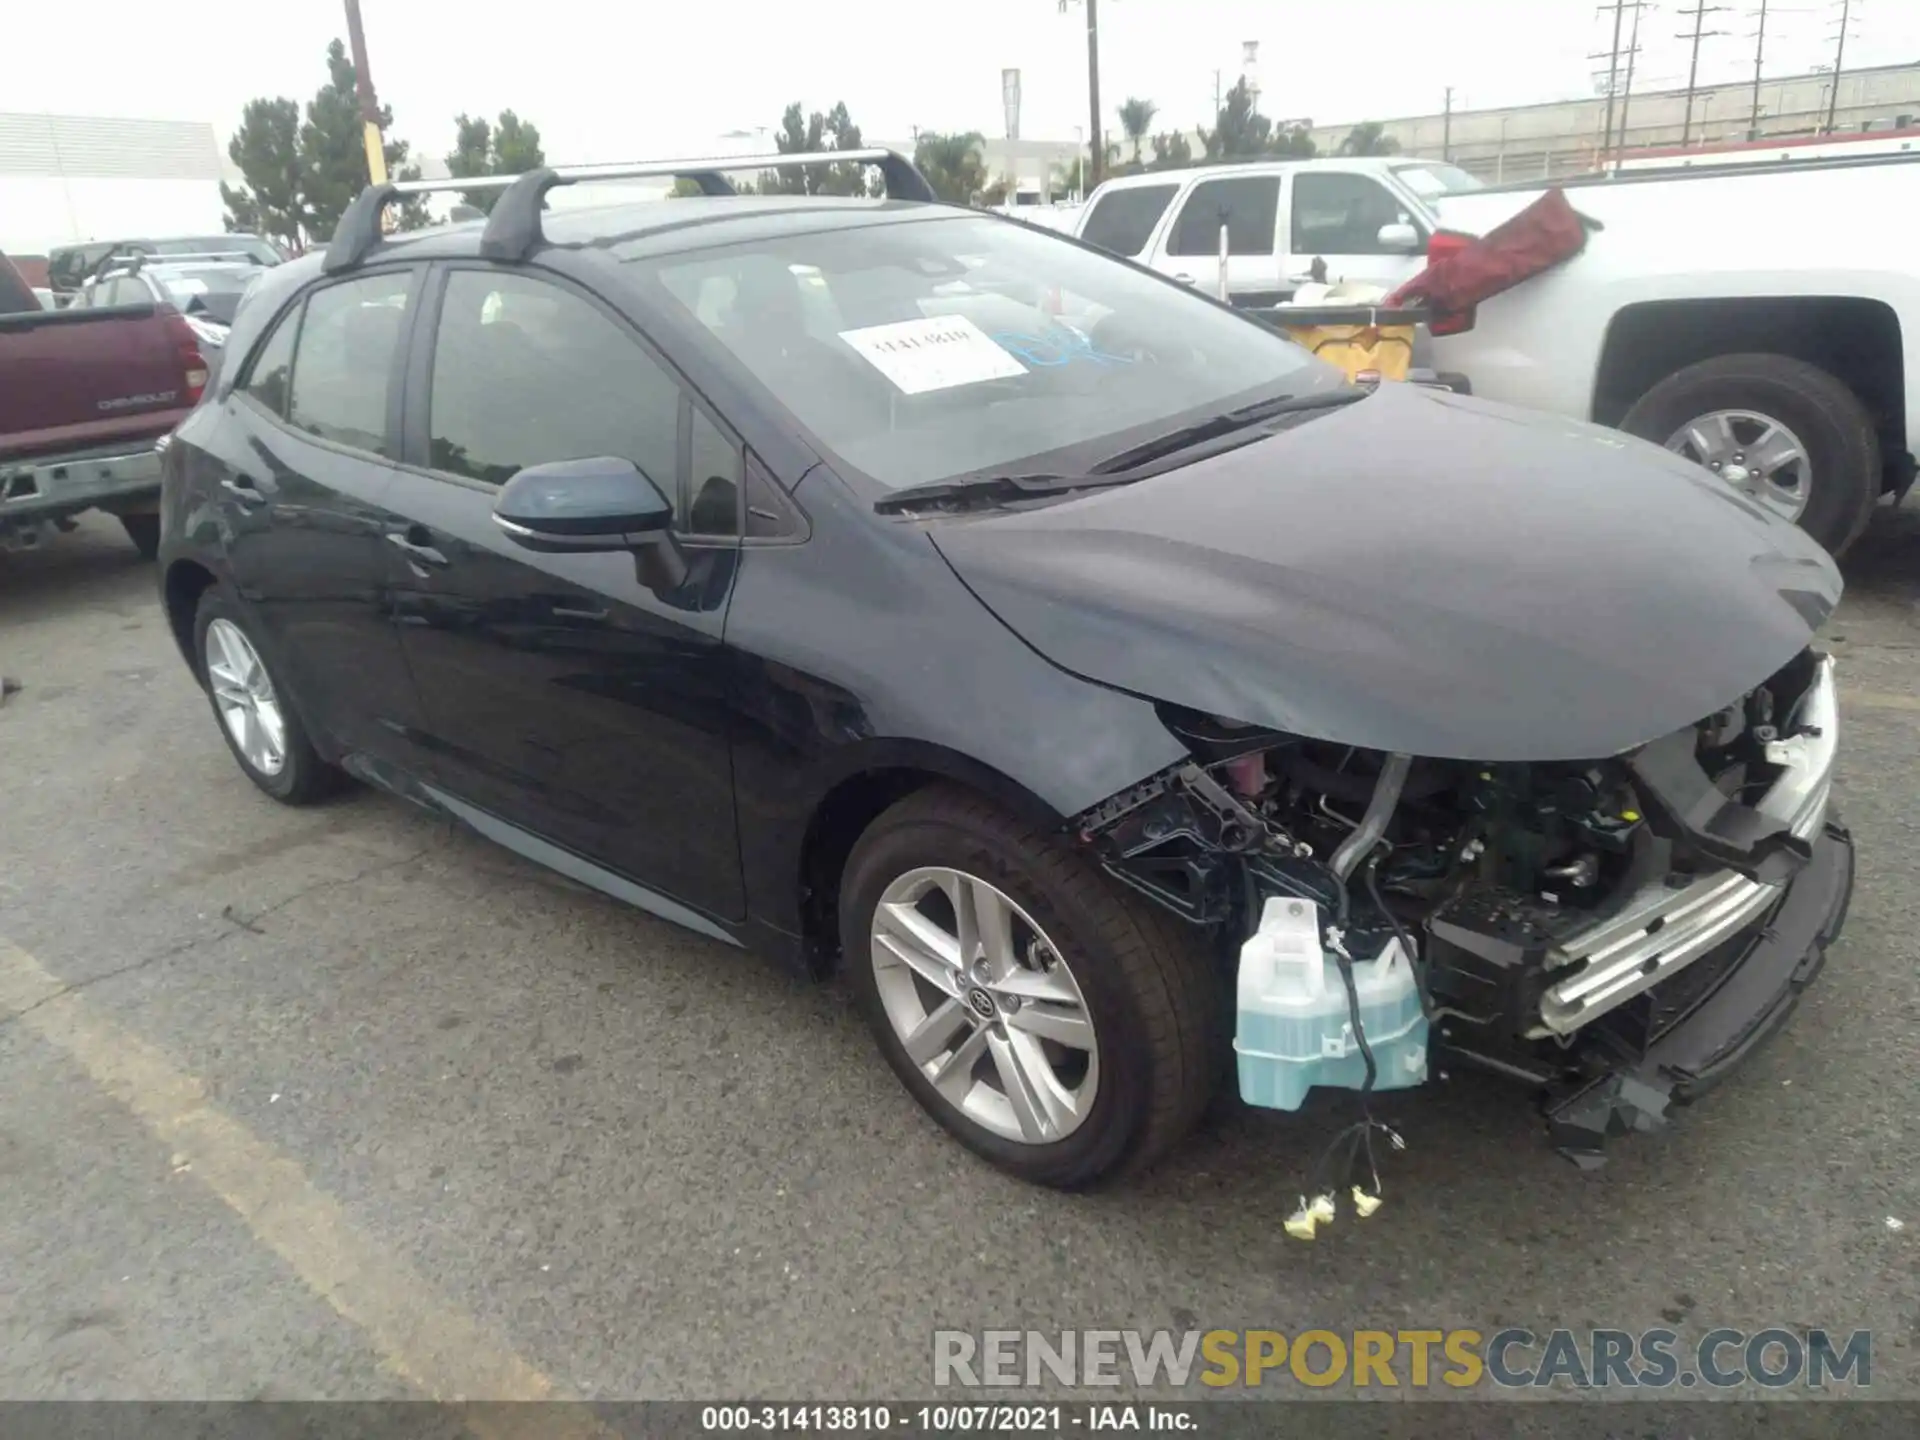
[(1766, 971), (1661, 930)]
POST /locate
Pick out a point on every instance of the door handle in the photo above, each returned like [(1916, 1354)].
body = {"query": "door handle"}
[(1186, 279), (417, 542)]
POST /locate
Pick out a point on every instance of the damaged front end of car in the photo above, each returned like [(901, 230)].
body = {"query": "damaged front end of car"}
[(1614, 933)]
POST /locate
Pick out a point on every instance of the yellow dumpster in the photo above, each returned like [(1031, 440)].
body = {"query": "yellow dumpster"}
[(1367, 342)]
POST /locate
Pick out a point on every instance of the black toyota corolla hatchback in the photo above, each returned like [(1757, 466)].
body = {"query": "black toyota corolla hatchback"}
[(883, 584)]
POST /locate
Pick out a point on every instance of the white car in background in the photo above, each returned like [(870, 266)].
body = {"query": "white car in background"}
[(1777, 354)]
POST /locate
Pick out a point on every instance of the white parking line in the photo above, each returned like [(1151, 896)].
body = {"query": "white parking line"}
[(419, 1336)]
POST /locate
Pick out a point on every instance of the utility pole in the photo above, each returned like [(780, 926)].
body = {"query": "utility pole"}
[(1097, 152), (1839, 59), (1613, 79), (1759, 58), (1446, 129), (363, 88), (1699, 14), (1626, 95)]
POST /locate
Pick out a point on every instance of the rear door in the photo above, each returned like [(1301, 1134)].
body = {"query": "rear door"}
[(302, 458), (563, 695), (1248, 206), (1338, 216)]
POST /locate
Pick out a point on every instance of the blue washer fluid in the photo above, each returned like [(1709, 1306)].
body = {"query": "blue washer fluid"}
[(1294, 1029)]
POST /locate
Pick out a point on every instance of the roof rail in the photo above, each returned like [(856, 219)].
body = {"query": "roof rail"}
[(513, 230)]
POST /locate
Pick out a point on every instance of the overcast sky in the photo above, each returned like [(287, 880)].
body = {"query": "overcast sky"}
[(609, 81)]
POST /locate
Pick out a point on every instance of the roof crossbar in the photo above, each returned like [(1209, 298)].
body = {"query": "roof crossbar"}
[(513, 230)]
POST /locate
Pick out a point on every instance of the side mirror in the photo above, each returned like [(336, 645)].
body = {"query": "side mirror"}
[(1399, 237), (600, 504)]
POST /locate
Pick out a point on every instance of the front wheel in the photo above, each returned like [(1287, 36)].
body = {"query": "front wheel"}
[(1786, 434), (1056, 1024)]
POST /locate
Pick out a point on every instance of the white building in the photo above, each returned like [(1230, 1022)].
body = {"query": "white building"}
[(71, 178)]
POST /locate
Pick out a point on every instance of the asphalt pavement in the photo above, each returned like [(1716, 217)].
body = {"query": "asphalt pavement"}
[(345, 1103)]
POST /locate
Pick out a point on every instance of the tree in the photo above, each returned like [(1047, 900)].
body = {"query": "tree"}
[(1369, 137), (1295, 142), (684, 188), (807, 134), (996, 192), (301, 174), (1136, 118), (509, 147), (1171, 151), (952, 164), (1240, 131), (266, 150)]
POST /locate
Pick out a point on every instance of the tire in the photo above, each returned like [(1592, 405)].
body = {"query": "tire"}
[(1842, 447), (144, 532), (301, 777), (1156, 1003)]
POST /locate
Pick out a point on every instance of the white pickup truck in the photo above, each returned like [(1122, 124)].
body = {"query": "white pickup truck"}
[(1763, 320)]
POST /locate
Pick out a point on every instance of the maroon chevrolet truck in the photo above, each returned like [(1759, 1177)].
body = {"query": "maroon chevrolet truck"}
[(87, 400)]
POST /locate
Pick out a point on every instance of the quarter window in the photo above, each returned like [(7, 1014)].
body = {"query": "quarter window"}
[(272, 368), (525, 373), (1245, 204), (344, 362), (713, 480)]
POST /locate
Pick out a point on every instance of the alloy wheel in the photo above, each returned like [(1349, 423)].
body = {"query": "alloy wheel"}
[(985, 1005), (243, 691), (1754, 453)]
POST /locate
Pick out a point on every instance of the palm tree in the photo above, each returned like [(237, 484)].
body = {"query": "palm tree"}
[(952, 165), (1136, 118)]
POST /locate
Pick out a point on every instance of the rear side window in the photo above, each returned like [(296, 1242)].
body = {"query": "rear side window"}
[(267, 381), (344, 363), (1122, 220), (525, 373), (1245, 204)]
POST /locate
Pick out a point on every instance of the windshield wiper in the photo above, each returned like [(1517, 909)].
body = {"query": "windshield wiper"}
[(1001, 488), (1216, 426)]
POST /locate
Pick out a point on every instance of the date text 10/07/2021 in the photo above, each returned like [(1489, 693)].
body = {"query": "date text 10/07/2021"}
[(960, 1419)]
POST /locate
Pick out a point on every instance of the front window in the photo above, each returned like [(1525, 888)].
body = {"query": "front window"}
[(923, 351)]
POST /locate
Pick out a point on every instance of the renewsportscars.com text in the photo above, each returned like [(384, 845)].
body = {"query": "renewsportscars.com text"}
[(1510, 1358)]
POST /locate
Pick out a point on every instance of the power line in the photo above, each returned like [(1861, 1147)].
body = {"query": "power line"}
[(1612, 56), (1839, 62), (1699, 14)]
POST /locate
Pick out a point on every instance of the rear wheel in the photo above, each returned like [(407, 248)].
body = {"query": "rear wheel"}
[(1786, 434), (1056, 1024), (144, 532), (251, 708)]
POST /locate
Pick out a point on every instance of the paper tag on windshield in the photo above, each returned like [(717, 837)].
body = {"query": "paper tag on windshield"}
[(936, 353)]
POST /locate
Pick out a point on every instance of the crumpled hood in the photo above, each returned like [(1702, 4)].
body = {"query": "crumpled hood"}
[(1420, 572)]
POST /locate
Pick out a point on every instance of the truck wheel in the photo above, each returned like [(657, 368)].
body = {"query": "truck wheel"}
[(1055, 1023), (144, 531), (1787, 434)]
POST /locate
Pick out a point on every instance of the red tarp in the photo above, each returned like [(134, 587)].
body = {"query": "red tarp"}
[(1541, 236)]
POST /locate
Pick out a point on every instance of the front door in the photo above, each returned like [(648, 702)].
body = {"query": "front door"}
[(1337, 217), (564, 695), (302, 463), (1248, 207)]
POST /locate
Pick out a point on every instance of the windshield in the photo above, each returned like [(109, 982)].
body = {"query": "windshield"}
[(1428, 181), (185, 284), (919, 352)]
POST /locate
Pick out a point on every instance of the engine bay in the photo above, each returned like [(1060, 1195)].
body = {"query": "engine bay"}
[(1552, 911)]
